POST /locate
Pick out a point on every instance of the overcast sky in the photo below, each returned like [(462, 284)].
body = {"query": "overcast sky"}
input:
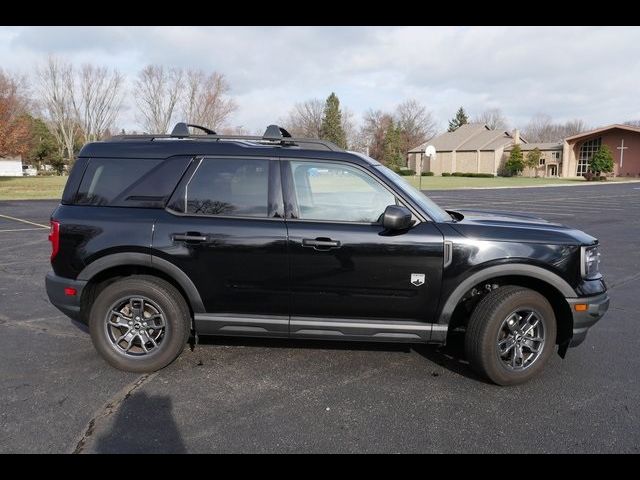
[(592, 73)]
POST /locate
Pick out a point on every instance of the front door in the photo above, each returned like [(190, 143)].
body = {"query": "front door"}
[(224, 228), (344, 265)]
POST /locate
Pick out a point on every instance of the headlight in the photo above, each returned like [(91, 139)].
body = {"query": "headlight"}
[(590, 263)]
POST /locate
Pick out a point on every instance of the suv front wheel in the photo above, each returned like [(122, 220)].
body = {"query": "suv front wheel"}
[(140, 323), (511, 335)]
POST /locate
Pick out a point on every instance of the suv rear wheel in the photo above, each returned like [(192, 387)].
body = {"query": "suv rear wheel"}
[(511, 335), (139, 324)]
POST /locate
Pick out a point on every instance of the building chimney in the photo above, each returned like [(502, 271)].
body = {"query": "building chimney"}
[(516, 136)]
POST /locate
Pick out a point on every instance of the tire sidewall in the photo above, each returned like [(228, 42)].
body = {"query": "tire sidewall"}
[(174, 335), (523, 300)]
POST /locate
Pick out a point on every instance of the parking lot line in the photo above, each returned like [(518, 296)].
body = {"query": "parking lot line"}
[(22, 229), (24, 221)]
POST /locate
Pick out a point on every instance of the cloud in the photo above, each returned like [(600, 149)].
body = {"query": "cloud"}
[(567, 72)]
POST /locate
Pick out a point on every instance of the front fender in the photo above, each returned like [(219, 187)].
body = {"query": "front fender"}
[(496, 271)]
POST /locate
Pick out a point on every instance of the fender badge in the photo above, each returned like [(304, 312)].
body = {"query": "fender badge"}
[(417, 279)]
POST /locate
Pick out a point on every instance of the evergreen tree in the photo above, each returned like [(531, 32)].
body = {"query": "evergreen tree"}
[(42, 144), (602, 161), (393, 146), (460, 119), (331, 128), (515, 164)]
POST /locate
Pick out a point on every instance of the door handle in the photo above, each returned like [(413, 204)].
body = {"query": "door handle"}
[(320, 243), (186, 237)]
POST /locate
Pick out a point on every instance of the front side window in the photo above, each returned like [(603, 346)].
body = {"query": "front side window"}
[(334, 192), (229, 187)]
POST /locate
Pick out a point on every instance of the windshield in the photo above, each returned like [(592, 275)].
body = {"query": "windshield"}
[(428, 205)]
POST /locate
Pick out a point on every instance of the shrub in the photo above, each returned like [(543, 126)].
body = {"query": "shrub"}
[(515, 163), (427, 174), (603, 178), (446, 174), (484, 175), (406, 172), (602, 161), (471, 174)]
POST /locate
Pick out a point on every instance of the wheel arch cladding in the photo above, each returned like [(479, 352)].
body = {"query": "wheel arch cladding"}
[(550, 285), (131, 263)]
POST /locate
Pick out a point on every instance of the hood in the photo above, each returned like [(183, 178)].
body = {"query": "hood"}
[(516, 227)]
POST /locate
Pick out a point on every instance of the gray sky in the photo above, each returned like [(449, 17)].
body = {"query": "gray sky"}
[(592, 73)]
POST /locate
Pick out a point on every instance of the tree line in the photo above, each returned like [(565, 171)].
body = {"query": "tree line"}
[(47, 119)]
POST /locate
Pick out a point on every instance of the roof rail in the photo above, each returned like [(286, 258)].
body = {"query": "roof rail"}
[(272, 135)]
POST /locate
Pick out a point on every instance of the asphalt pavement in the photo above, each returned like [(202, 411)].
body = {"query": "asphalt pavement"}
[(244, 395)]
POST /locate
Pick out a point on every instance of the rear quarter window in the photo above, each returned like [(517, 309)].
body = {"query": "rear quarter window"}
[(125, 182)]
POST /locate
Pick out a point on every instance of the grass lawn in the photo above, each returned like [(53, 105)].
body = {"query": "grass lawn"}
[(23, 188), (446, 183)]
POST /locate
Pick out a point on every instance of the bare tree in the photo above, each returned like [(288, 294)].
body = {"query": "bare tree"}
[(157, 94), (572, 127), (493, 118), (237, 130), (374, 130), (349, 127), (415, 122), (56, 89), (633, 123), (205, 101), (541, 128), (98, 100), (305, 118)]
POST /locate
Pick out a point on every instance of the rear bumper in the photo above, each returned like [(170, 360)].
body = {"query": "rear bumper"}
[(67, 304), (597, 306)]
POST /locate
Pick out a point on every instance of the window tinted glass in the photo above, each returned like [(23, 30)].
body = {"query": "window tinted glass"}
[(105, 179), (155, 187), (229, 187), (335, 192), (428, 205)]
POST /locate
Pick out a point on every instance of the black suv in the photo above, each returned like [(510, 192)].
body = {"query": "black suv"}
[(158, 238)]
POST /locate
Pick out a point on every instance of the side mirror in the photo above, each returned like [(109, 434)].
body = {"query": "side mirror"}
[(396, 217)]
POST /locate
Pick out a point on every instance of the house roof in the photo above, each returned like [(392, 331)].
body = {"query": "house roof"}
[(603, 129), (540, 146), (471, 136)]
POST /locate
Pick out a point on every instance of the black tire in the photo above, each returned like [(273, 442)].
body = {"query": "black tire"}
[(489, 321), (160, 296)]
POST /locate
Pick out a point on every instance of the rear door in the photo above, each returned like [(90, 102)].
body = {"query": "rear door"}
[(224, 227)]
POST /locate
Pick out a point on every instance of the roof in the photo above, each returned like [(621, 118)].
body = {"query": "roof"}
[(471, 136), (161, 148), (540, 146), (603, 129)]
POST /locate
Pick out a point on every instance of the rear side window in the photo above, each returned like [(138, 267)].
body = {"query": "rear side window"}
[(129, 182), (238, 187)]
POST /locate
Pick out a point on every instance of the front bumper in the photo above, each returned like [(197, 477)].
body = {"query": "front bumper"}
[(67, 304), (597, 306)]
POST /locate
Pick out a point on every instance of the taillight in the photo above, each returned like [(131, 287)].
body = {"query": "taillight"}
[(54, 238)]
